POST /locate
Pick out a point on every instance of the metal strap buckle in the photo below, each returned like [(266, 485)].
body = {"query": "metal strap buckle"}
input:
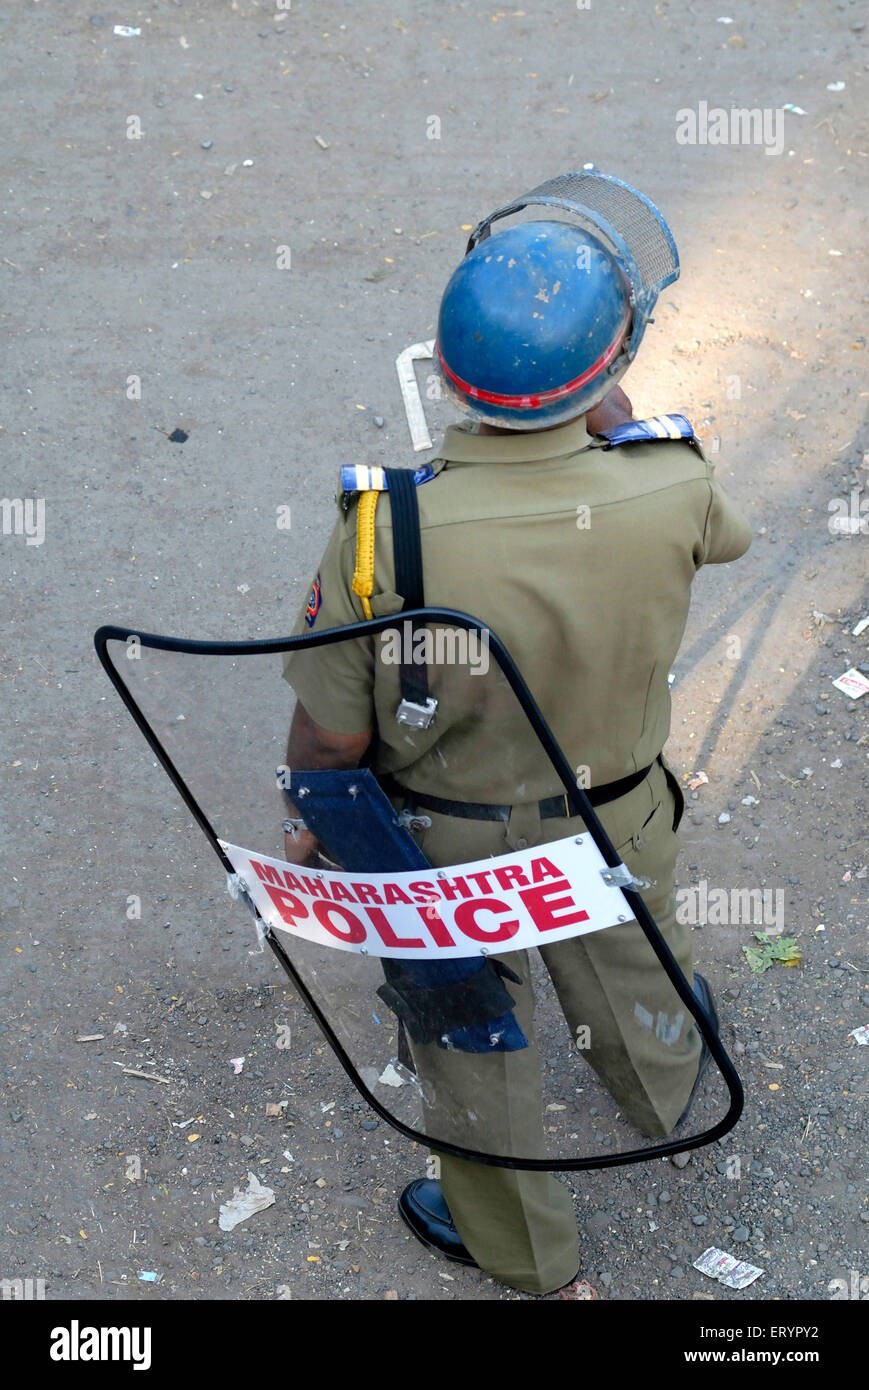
[(620, 876), (414, 715)]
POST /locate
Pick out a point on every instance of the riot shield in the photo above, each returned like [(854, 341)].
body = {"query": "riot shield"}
[(476, 939)]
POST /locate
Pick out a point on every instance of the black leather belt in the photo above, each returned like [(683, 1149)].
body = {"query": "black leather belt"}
[(550, 807)]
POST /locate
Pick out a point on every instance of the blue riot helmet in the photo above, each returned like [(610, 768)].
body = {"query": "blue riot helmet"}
[(533, 326), (540, 321)]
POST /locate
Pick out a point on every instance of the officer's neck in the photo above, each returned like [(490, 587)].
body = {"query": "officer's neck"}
[(483, 428)]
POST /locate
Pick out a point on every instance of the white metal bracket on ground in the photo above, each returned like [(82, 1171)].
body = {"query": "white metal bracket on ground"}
[(413, 406)]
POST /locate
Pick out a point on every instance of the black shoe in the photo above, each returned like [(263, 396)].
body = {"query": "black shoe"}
[(423, 1208), (707, 1003)]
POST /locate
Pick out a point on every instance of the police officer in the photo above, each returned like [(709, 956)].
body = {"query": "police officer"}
[(574, 532)]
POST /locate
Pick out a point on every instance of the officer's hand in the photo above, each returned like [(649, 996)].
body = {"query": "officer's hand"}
[(300, 848), (615, 409)]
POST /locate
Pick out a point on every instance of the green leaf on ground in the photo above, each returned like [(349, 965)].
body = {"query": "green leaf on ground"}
[(773, 950)]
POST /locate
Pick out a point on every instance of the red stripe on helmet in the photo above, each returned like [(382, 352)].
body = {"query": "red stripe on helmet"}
[(534, 402)]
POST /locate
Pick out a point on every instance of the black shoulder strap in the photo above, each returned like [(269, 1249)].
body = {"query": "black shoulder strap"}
[(407, 549), (406, 541)]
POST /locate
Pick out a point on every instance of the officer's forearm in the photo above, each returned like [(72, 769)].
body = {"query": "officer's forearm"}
[(310, 746)]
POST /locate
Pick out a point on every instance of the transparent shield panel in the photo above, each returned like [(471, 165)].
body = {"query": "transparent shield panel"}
[(441, 902)]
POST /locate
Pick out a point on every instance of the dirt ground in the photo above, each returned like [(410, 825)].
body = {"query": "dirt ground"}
[(152, 185)]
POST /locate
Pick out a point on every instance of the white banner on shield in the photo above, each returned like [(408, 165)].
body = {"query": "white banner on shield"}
[(520, 900)]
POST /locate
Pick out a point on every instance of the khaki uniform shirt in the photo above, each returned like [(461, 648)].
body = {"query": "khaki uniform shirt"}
[(579, 558)]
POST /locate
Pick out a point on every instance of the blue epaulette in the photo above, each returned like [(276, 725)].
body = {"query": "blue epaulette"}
[(656, 427), (360, 478)]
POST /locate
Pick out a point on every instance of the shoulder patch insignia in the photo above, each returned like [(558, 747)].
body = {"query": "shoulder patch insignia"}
[(359, 478), (656, 427), (315, 598)]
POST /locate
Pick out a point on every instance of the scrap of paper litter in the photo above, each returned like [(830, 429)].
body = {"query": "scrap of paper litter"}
[(852, 682), (243, 1203), (861, 1034), (733, 1273)]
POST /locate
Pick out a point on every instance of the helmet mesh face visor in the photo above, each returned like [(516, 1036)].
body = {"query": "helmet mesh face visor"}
[(625, 218)]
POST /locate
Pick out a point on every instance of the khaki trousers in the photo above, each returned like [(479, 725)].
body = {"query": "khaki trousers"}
[(520, 1226)]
